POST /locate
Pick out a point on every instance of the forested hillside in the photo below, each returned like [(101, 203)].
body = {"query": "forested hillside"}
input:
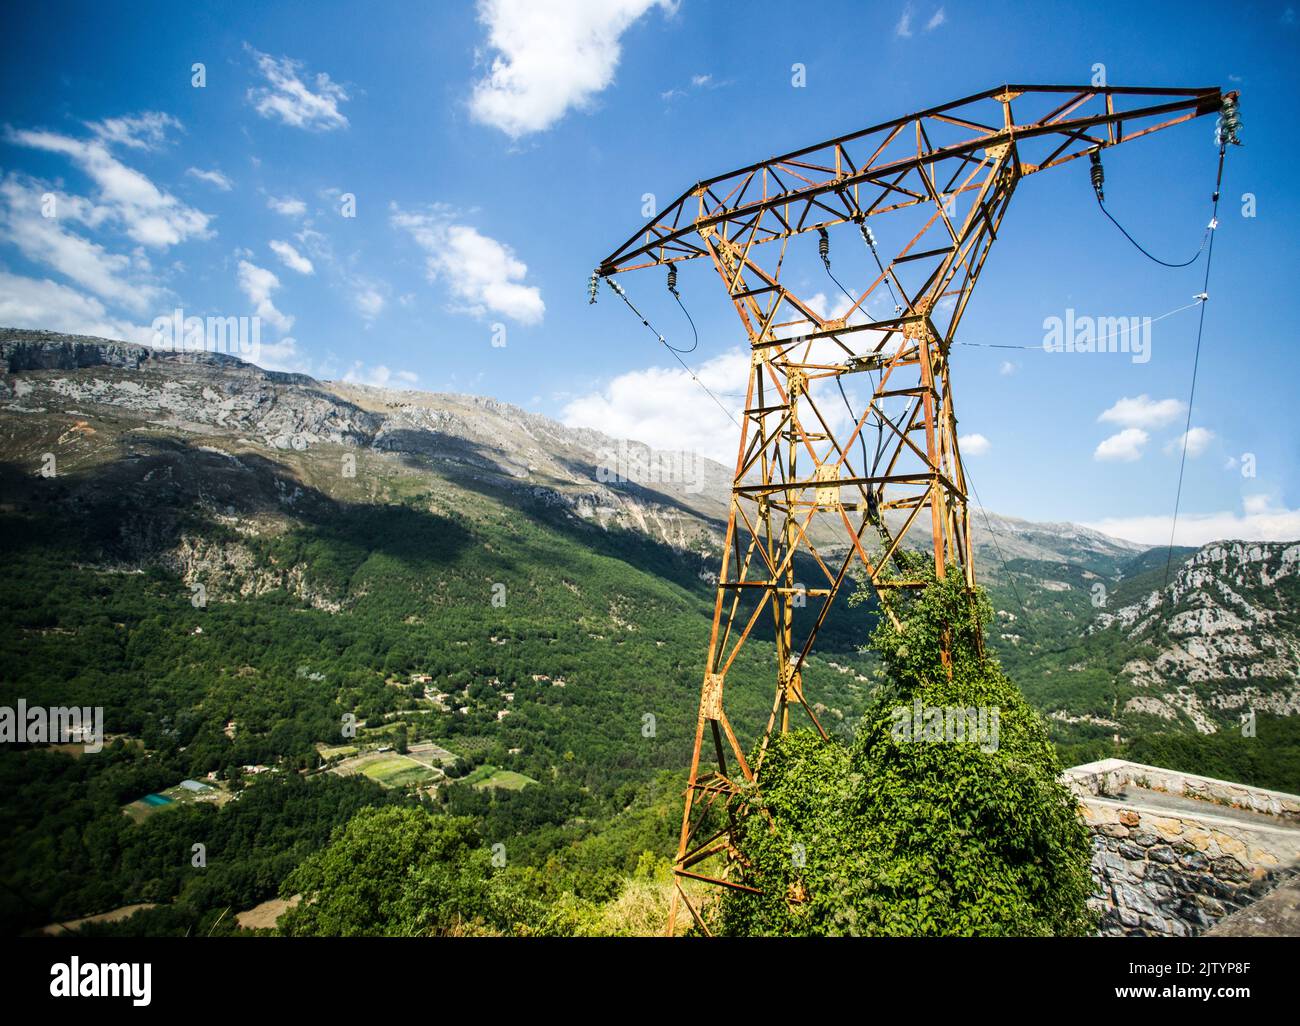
[(307, 599)]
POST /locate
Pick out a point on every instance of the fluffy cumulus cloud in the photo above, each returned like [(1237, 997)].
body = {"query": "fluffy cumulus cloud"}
[(1261, 519), (40, 223), (973, 445), (42, 303), (1122, 447), (295, 98), (664, 408), (1143, 412), (259, 284), (291, 258), (484, 275), (549, 56), (124, 196), (1198, 439)]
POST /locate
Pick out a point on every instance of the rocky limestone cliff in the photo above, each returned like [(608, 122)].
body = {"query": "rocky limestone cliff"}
[(1219, 637)]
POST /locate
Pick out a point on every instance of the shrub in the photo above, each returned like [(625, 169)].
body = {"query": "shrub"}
[(888, 835)]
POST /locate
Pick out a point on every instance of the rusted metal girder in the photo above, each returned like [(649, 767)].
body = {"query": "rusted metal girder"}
[(939, 181)]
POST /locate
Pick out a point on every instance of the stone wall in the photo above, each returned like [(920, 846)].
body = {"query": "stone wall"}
[(1162, 866)]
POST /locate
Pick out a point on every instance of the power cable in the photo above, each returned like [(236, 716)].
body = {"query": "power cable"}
[(672, 287), (1103, 338), (1203, 299), (997, 546), (824, 249), (619, 291), (861, 441), (1098, 175), (869, 237)]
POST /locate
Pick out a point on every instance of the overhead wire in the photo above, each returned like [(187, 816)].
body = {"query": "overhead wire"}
[(824, 250), (1103, 338), (622, 294), (1226, 133), (672, 287), (1204, 300), (1006, 569), (1097, 174), (869, 237)]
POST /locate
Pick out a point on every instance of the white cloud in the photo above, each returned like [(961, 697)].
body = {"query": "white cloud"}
[(904, 27), (379, 376), (938, 18), (1124, 447), (821, 304), (41, 303), (481, 272), (316, 243), (1143, 412), (665, 409), (214, 177), (283, 356), (1198, 440), (368, 297), (148, 215), (1007, 367), (287, 206), (47, 241), (290, 100), (697, 82), (973, 445), (549, 57), (1257, 503), (144, 131), (1261, 519), (258, 284), (291, 258)]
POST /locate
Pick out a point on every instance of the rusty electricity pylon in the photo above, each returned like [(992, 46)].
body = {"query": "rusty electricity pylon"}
[(938, 182)]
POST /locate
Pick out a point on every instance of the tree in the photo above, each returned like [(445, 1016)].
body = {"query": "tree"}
[(394, 871), (906, 829)]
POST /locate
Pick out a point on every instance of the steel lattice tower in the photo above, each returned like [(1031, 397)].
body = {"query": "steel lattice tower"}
[(940, 179)]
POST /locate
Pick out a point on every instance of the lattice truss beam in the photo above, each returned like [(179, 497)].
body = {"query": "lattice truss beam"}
[(938, 183)]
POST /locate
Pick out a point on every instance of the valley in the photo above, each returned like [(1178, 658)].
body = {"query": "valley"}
[(319, 597)]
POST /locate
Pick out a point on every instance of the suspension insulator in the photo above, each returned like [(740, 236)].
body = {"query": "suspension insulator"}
[(592, 286), (672, 279), (1229, 122), (824, 246), (868, 236), (1098, 174)]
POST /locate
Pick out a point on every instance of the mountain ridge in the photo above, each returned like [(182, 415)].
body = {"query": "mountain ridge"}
[(153, 437), (382, 412)]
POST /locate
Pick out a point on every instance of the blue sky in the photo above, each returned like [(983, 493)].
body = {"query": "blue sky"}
[(494, 152)]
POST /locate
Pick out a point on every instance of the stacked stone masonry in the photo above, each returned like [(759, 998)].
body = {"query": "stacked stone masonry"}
[(1162, 867)]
